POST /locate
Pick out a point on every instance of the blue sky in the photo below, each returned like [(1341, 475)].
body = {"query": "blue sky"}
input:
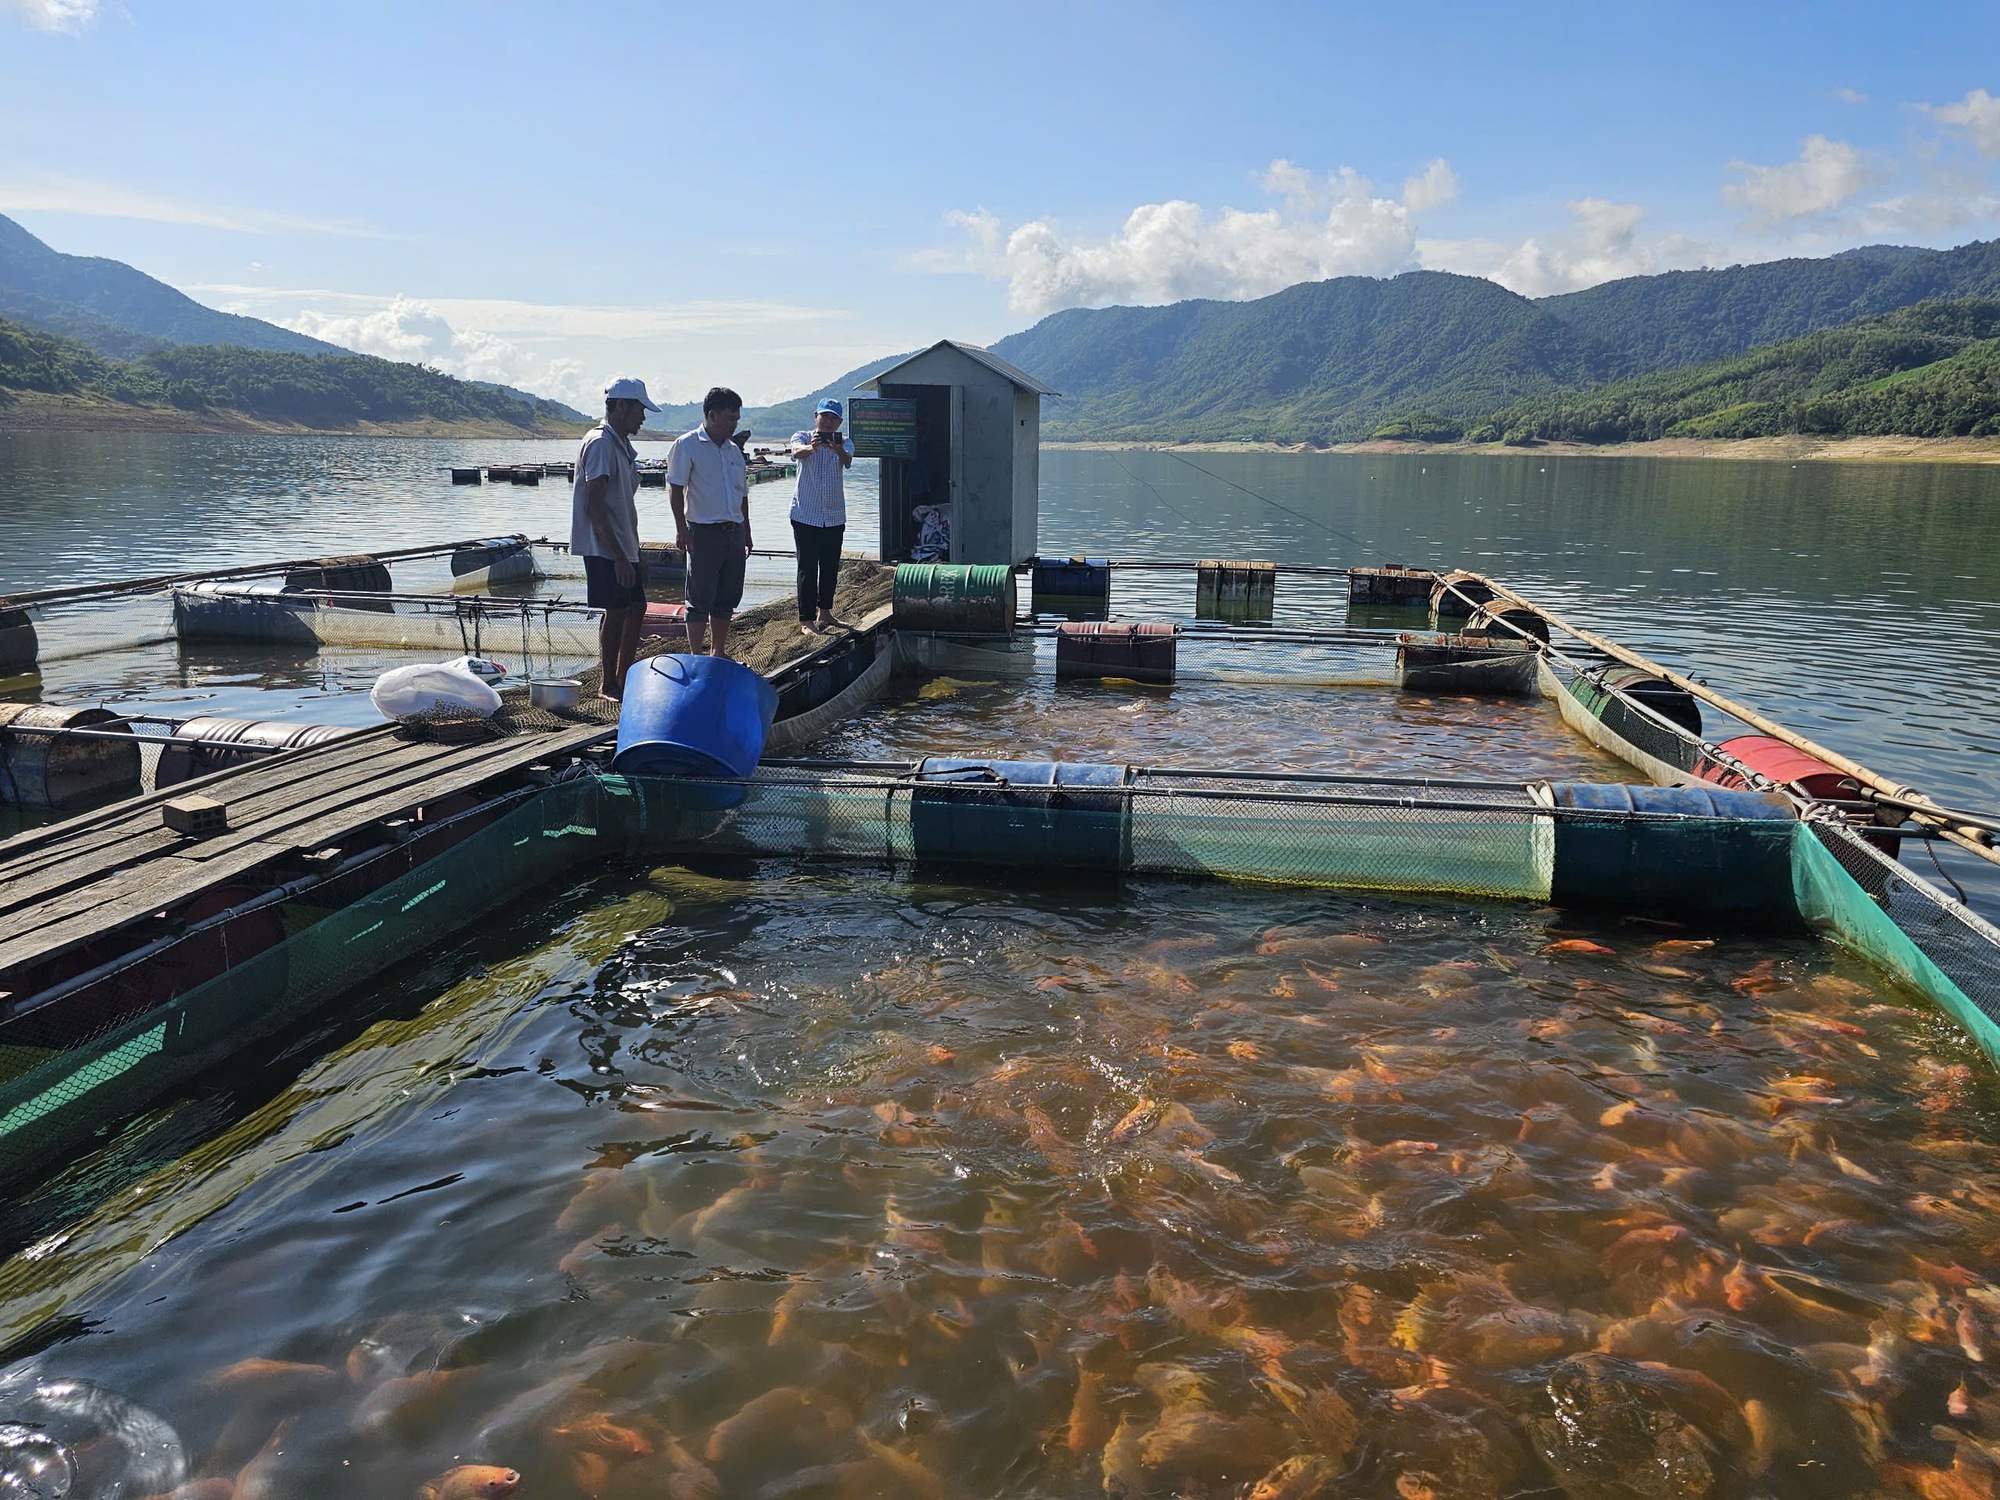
[(767, 195)]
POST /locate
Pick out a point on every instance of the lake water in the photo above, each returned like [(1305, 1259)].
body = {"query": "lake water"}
[(1858, 603), (793, 1180)]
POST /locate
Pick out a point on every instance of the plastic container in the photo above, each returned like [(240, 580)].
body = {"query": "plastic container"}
[(43, 769), (1013, 812), (1676, 705), (1079, 587), (503, 560), (693, 716), (1457, 594), (209, 744), (955, 598), (1693, 850), (1142, 652), (20, 648), (339, 575), (1240, 592)]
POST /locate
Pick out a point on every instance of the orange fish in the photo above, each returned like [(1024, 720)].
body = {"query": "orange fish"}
[(1135, 1120), (1578, 945), (472, 1482)]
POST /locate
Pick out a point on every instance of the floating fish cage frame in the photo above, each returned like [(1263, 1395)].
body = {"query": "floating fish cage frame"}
[(1706, 833)]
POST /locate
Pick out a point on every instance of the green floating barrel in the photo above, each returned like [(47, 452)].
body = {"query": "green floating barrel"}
[(955, 598)]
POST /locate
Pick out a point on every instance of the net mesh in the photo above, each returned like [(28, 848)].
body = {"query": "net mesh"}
[(1893, 917), (58, 1084), (538, 631)]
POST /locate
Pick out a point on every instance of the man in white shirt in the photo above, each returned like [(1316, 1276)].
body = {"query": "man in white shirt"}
[(604, 528), (708, 485), (819, 515)]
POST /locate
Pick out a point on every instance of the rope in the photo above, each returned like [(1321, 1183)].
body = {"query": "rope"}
[(1262, 499)]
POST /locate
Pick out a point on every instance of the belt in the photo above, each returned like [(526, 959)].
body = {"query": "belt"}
[(713, 525)]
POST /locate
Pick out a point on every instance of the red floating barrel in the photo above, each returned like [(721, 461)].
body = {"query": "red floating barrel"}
[(1788, 766), (1119, 648)]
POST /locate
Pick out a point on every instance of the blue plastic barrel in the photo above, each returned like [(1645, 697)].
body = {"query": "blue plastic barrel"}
[(1674, 851), (693, 716), (1012, 812), (1079, 587)]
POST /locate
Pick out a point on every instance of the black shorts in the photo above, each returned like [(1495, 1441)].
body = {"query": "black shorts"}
[(715, 571), (605, 592)]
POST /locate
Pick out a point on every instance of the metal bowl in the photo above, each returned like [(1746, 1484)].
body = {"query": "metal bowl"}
[(555, 693)]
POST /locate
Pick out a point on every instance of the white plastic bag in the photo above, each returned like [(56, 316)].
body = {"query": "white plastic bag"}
[(411, 692)]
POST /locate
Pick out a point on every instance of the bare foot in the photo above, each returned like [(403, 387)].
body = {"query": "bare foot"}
[(831, 622), (607, 698), (806, 627)]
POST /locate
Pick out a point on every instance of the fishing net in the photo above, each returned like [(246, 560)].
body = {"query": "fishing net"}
[(57, 1087), (534, 631), (1890, 915), (1470, 839)]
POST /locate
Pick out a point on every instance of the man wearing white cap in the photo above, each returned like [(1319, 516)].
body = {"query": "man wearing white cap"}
[(604, 528)]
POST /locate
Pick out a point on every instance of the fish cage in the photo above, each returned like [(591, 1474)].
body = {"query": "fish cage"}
[(475, 625)]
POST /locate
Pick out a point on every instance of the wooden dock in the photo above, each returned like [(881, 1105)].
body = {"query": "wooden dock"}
[(119, 878)]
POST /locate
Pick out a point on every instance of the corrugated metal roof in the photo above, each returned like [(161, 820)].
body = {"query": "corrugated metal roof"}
[(973, 352)]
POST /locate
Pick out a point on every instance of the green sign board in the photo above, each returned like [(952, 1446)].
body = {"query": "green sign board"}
[(883, 426)]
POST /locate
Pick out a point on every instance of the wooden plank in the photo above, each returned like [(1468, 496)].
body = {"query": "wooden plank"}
[(302, 802), (108, 827), (133, 894), (141, 833)]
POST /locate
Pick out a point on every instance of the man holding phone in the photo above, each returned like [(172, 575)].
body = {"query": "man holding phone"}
[(819, 515)]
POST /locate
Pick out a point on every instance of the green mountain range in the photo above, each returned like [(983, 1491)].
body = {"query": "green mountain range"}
[(121, 314), (223, 382), (1932, 370), (116, 309), (1429, 354)]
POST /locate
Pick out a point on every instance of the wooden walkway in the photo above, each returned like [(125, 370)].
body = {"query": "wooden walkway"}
[(77, 881)]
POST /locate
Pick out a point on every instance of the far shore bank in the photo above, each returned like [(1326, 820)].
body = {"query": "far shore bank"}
[(27, 412), (1792, 449)]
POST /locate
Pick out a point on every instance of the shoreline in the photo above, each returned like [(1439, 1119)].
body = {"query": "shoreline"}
[(32, 412), (1793, 448)]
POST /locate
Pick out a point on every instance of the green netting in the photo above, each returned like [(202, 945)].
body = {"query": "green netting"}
[(63, 1097), (1832, 872), (1475, 839)]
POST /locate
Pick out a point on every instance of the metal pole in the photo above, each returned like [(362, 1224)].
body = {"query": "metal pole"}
[(168, 580)]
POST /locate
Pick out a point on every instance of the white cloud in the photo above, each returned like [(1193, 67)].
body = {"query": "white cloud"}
[(1336, 225), (54, 15), (1434, 188), (1825, 175), (570, 351), (1977, 115), (415, 333), (1602, 243), (1850, 96), (106, 200)]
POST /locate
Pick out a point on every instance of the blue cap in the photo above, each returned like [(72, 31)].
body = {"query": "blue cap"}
[(829, 405)]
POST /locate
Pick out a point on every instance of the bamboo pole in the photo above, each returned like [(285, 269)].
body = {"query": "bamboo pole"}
[(1920, 808)]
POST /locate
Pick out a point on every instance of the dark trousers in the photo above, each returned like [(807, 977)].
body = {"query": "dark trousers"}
[(819, 567)]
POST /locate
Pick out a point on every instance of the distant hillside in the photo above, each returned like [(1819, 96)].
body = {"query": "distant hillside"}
[(1645, 323), (1932, 370), (78, 295), (788, 417), (325, 392), (1426, 352), (1325, 360)]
